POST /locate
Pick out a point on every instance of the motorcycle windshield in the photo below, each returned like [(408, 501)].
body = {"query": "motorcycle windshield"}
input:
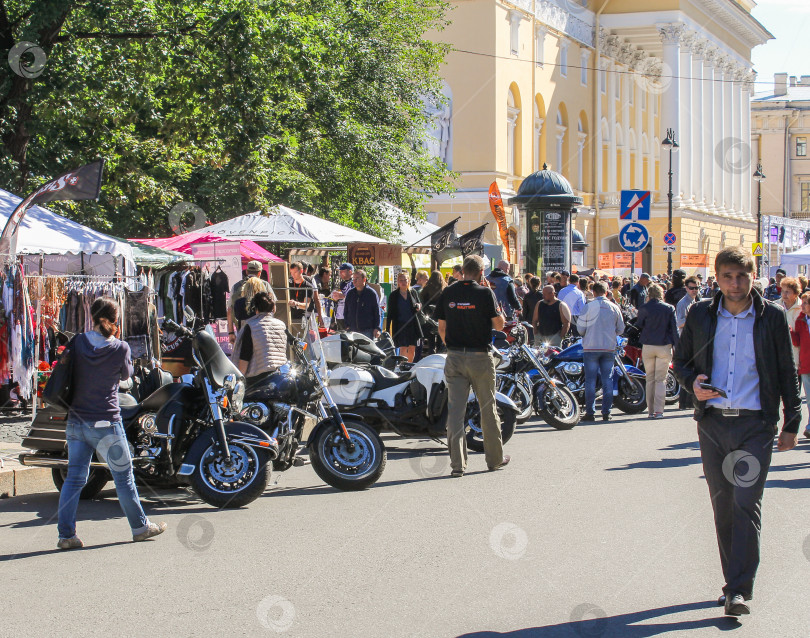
[(314, 350), (213, 360)]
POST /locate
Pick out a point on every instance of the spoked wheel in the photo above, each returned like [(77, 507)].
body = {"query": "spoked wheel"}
[(522, 397), (96, 481), (632, 397), (558, 406), (231, 484), (673, 388), (472, 422), (345, 466)]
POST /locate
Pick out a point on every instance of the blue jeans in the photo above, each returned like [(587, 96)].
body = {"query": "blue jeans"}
[(83, 438), (601, 363), (806, 383)]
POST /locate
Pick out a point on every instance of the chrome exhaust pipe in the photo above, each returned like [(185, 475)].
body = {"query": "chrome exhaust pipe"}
[(42, 460)]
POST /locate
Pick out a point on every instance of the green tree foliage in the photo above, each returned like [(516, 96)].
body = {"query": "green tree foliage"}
[(232, 105)]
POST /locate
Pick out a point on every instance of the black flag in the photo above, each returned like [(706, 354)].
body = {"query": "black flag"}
[(444, 243), (82, 183), (472, 243)]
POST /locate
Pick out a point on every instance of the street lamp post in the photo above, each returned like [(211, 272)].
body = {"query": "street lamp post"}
[(670, 145), (759, 176)]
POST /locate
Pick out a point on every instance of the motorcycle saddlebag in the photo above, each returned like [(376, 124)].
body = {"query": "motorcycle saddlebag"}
[(349, 385)]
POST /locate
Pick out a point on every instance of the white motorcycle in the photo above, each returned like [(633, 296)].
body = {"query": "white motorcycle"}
[(411, 403)]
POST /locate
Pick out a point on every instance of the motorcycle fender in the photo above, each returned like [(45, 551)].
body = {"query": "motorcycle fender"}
[(503, 402), (634, 371), (322, 424), (252, 435)]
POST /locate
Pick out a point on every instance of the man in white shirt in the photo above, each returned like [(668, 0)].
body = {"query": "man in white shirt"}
[(574, 298)]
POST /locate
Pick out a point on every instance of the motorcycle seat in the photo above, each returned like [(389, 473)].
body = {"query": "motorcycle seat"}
[(384, 378), (128, 412)]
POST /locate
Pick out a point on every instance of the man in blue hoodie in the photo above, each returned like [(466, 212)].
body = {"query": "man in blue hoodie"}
[(504, 289)]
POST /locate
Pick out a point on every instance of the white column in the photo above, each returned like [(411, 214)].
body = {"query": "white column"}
[(611, 118), (707, 137), (538, 132), (511, 121), (743, 144), (652, 134), (745, 116), (638, 90), (728, 139), (717, 138), (581, 138), (696, 123), (625, 106), (684, 135), (596, 128), (670, 102)]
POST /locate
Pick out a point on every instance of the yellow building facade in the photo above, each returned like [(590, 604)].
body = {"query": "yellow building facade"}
[(589, 89)]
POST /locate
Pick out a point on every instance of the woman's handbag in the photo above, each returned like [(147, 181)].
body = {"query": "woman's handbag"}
[(58, 390)]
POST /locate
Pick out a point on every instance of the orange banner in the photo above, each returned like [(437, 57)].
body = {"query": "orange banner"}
[(496, 206), (694, 261), (609, 261)]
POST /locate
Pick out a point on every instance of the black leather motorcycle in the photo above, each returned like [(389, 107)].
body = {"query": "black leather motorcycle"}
[(181, 433), (344, 452)]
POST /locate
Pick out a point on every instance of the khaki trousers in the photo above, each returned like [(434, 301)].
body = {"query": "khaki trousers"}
[(462, 370), (656, 364)]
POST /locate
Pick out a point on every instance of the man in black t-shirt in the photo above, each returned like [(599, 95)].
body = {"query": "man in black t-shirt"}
[(303, 298), (467, 313)]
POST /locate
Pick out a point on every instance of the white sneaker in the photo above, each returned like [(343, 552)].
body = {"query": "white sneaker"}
[(153, 529)]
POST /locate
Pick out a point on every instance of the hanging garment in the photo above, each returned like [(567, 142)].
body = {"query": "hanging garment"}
[(219, 288)]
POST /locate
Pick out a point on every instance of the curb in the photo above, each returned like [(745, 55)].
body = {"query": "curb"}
[(24, 481)]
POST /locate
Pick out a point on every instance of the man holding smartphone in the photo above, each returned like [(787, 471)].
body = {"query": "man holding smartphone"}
[(739, 344)]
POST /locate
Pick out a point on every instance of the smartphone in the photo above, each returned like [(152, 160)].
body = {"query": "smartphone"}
[(709, 386)]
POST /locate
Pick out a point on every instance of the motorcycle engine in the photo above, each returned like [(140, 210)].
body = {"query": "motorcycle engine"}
[(573, 373), (145, 445), (268, 418)]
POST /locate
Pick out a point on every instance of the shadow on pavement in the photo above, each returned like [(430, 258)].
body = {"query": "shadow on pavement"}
[(622, 626), (46, 552)]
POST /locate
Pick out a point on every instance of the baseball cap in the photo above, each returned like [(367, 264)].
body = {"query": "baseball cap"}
[(346, 266), (679, 273), (644, 274), (565, 273), (781, 270), (254, 267)]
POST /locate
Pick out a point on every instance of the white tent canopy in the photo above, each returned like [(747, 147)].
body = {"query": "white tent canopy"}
[(285, 225), (797, 258), (66, 244)]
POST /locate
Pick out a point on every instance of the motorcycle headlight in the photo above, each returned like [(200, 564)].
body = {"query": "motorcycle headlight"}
[(229, 383), (238, 396)]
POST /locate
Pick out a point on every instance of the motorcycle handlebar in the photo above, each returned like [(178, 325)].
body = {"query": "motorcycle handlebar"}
[(171, 326)]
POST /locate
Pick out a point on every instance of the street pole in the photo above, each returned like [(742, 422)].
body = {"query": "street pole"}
[(671, 145), (758, 177)]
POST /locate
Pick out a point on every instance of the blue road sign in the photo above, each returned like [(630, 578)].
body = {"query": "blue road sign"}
[(635, 205), (669, 239), (633, 237)]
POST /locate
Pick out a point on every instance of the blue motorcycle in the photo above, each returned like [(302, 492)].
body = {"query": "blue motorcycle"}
[(629, 383)]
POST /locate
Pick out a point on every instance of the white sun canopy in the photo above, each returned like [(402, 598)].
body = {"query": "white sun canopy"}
[(66, 244), (796, 258), (285, 225)]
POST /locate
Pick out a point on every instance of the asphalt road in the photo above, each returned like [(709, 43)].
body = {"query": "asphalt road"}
[(602, 531)]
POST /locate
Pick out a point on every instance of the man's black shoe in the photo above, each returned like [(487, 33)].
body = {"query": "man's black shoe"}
[(502, 464), (721, 602), (607, 417), (736, 606), (588, 418)]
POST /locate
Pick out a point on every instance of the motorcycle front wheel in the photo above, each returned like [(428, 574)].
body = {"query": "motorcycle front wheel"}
[(558, 407), (632, 397), (673, 388), (522, 398), (345, 467), (475, 435), (234, 484)]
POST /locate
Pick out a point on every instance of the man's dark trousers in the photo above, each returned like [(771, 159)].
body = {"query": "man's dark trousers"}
[(736, 453)]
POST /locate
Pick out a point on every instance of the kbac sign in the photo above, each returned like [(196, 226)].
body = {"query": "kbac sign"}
[(375, 255)]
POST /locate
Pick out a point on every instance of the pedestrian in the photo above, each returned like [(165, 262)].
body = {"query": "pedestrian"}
[(338, 295), (599, 324), (94, 425), (429, 295), (401, 320), (687, 301), (254, 269), (585, 286), (638, 293), (658, 333), (678, 289), (551, 319), (742, 346), (615, 291), (304, 299), (558, 285), (573, 297), (790, 301), (774, 291), (242, 307), (456, 275), (261, 345), (421, 280), (522, 287), (800, 335), (504, 288), (467, 314), (626, 285), (362, 312), (531, 299)]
